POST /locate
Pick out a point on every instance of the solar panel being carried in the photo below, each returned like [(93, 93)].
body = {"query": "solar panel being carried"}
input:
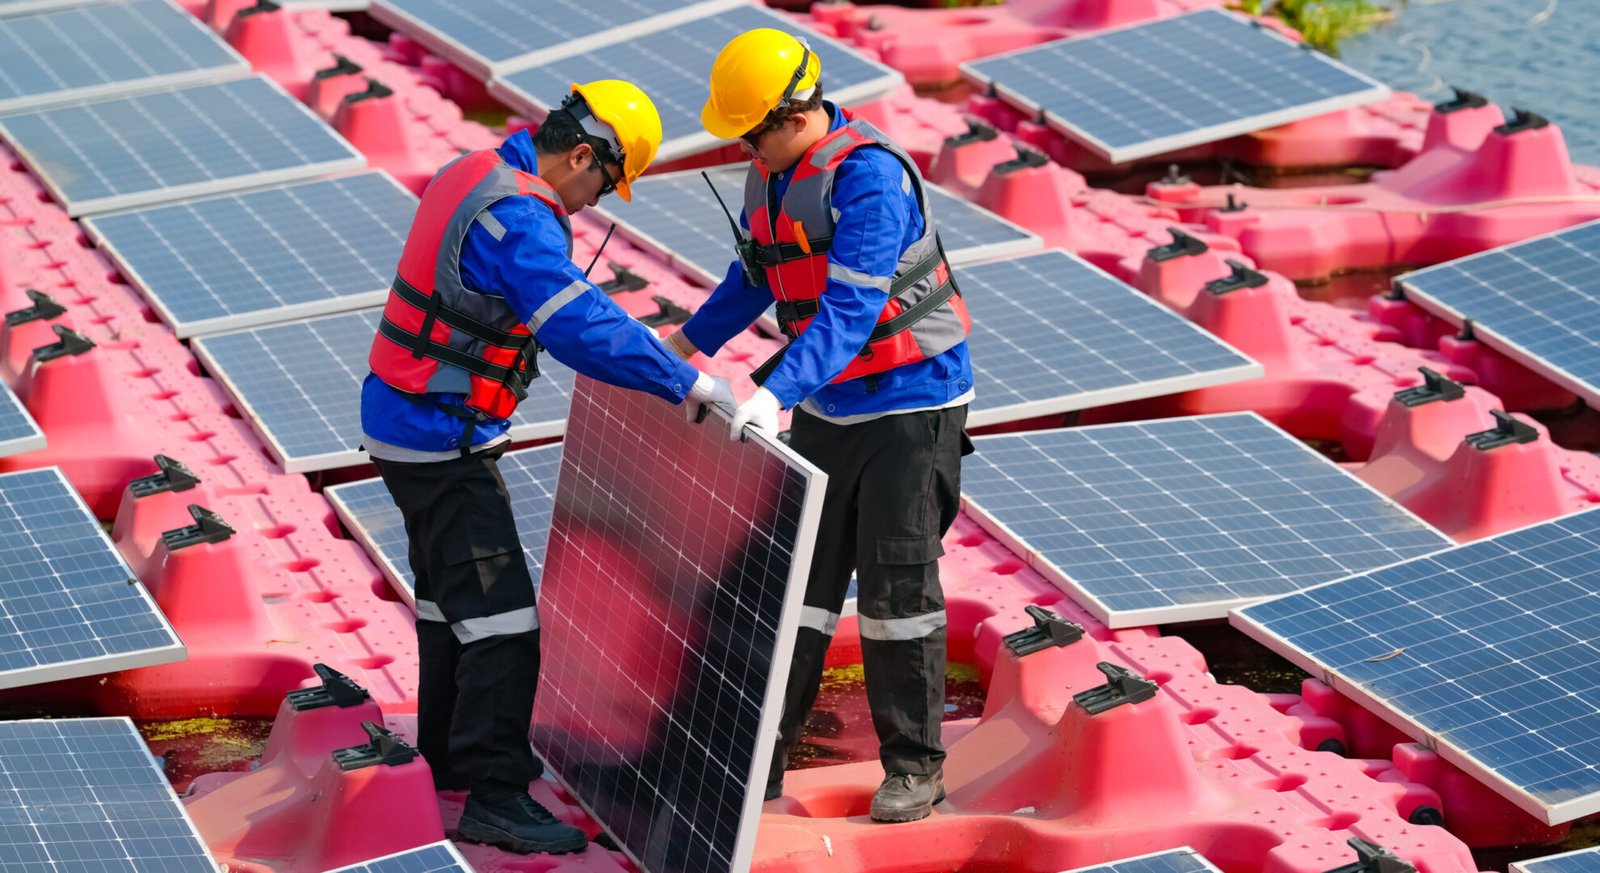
[(369, 513), (86, 794), (300, 385), (69, 605), (1488, 652), (1581, 861), (180, 142), (672, 583), (1158, 86), (89, 51), (19, 433), (263, 256), (1184, 860), (1182, 519), (488, 37), (674, 66), (440, 857), (1538, 301)]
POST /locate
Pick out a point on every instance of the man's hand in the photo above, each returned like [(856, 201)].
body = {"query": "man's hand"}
[(708, 389), (759, 412)]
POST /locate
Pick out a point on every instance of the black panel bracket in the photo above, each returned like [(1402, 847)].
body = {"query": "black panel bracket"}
[(173, 476), (382, 748), (623, 280), (375, 90), (44, 308), (1434, 387), (1239, 276), (977, 131), (1122, 686), (336, 689), (342, 66), (1025, 159), (1507, 431), (671, 313), (1182, 246), (1049, 631), (1521, 120), (208, 527), (1463, 99), (1373, 858), (69, 343)]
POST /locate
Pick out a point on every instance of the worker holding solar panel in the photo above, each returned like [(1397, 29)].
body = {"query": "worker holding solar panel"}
[(836, 230), (486, 281)]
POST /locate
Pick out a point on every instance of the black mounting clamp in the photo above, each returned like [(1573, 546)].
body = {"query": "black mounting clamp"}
[(1025, 159), (1182, 246), (1122, 686), (1506, 431), (623, 280), (336, 689), (1434, 387), (44, 308), (671, 313), (1234, 204), (1463, 99), (342, 66), (70, 343), (375, 90), (1175, 176), (173, 476), (262, 7), (977, 131), (208, 527), (1373, 858), (382, 748), (1239, 276), (1522, 119), (1049, 631)]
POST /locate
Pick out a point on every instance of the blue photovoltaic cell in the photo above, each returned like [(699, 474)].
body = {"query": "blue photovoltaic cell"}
[(18, 431), (175, 143), (300, 385), (369, 512), (1489, 651), (1537, 300), (1175, 82), (1052, 333), (1182, 519), (674, 66), (86, 794), (1581, 861), (263, 256), (1184, 860), (69, 604), (489, 35), (84, 51), (25, 7), (440, 857)]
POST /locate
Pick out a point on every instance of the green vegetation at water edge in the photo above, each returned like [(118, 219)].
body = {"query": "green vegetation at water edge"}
[(1323, 23)]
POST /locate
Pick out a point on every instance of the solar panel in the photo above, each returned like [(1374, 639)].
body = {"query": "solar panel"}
[(1581, 861), (179, 142), (69, 604), (300, 383), (263, 256), (1184, 860), (440, 857), (1052, 333), (25, 7), (1486, 652), (1162, 85), (86, 794), (19, 433), (1538, 301), (674, 67), (1182, 519), (88, 51), (672, 583), (485, 37), (369, 513), (677, 215)]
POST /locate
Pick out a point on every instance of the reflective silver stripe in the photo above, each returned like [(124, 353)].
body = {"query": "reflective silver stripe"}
[(819, 619), (855, 277), (912, 628), (825, 154), (492, 225), (501, 624), (562, 298), (427, 610)]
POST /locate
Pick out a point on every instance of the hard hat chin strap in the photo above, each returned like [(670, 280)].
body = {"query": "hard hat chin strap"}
[(799, 74)]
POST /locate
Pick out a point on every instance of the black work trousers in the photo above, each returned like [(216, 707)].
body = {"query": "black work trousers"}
[(477, 624), (894, 487)]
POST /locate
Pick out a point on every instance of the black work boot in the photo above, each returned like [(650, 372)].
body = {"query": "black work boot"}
[(780, 760), (514, 821), (907, 797)]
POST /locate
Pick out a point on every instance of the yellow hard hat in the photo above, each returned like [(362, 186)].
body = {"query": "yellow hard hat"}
[(632, 118), (754, 73)]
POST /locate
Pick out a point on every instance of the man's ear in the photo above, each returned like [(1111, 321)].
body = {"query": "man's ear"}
[(575, 158)]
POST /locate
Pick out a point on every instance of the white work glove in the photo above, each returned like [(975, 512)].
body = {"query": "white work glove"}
[(710, 389), (759, 412)]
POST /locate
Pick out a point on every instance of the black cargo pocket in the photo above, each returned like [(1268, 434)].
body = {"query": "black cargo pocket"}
[(909, 550), (967, 447), (493, 560)]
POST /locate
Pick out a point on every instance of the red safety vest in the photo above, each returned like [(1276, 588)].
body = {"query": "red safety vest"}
[(925, 315), (438, 336)]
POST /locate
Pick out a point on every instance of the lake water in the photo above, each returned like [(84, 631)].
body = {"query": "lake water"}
[(1542, 55)]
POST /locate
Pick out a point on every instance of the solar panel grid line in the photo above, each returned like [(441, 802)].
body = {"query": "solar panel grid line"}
[(28, 7), (264, 255), (48, 57), (1258, 515), (87, 794), (1487, 718), (19, 433), (1179, 860), (169, 159), (440, 857), (1537, 301), (1577, 861)]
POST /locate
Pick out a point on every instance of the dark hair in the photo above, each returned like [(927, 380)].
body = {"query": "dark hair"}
[(790, 108), (561, 133)]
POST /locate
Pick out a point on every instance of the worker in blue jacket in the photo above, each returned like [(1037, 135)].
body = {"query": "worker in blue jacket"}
[(485, 281), (836, 233)]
